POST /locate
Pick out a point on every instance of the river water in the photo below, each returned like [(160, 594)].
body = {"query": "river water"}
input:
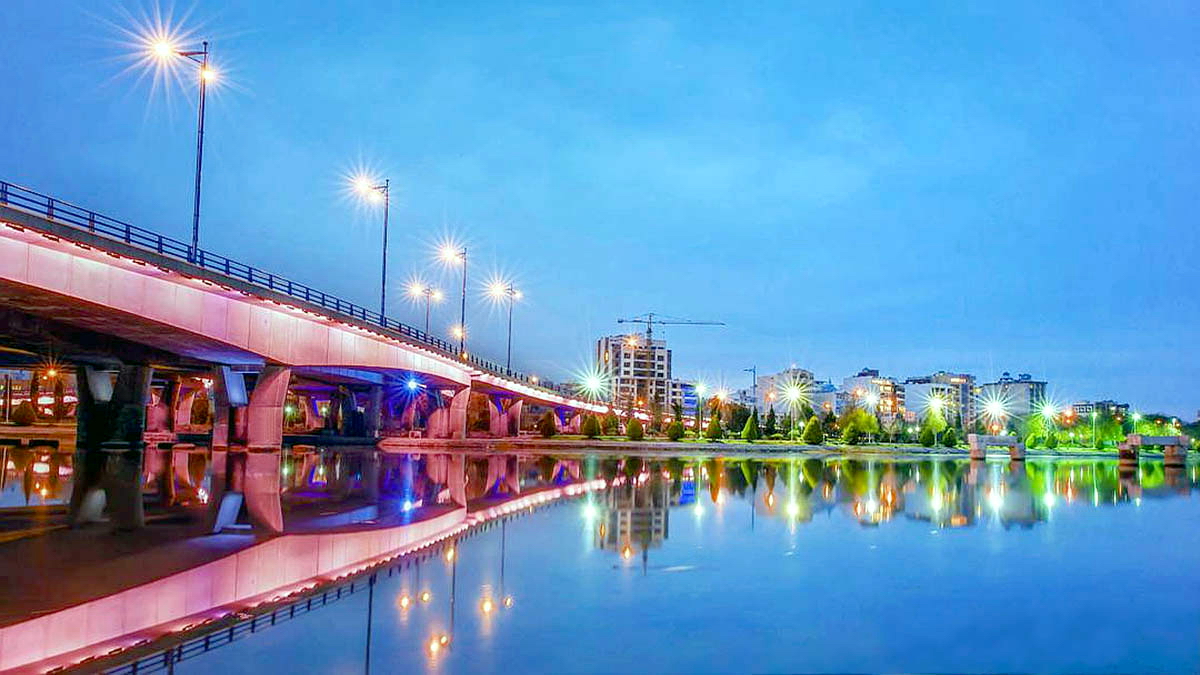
[(789, 564)]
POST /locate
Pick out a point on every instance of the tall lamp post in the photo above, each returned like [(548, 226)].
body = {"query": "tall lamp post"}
[(505, 291), (431, 294), (457, 255), (163, 50), (377, 192), (753, 370)]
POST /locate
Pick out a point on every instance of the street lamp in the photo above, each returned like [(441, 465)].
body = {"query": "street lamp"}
[(500, 290), (753, 370), (453, 254), (163, 50), (418, 290), (376, 192), (1094, 428)]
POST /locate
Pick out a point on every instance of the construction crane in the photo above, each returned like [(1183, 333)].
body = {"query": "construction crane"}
[(650, 319)]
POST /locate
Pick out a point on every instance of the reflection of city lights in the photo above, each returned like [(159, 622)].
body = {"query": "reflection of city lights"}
[(872, 506), (626, 552), (435, 646), (404, 601), (426, 596), (936, 502), (793, 509), (450, 554), (995, 500), (406, 506), (698, 510), (487, 606), (508, 601), (589, 512), (1048, 499)]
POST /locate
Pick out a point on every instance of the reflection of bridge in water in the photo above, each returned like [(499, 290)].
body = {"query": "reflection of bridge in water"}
[(347, 510)]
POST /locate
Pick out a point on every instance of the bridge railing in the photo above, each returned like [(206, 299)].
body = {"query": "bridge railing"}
[(66, 213)]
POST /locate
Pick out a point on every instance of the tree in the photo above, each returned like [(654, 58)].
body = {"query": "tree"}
[(785, 424), (738, 414), (806, 411), (674, 431), (713, 431), (546, 426), (925, 439), (633, 429), (656, 416), (750, 430), (590, 427), (60, 404), (23, 415), (1051, 440), (677, 412), (814, 434), (610, 424), (950, 438), (199, 413), (769, 427), (35, 390), (851, 435), (829, 423)]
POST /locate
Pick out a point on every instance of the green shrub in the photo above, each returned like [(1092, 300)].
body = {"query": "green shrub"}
[(1052, 441), (634, 430), (950, 438), (750, 431), (610, 424), (926, 438), (546, 426), (776, 437), (590, 427), (675, 431), (713, 431), (814, 434), (23, 415)]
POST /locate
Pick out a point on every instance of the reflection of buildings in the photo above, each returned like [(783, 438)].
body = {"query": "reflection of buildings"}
[(636, 515)]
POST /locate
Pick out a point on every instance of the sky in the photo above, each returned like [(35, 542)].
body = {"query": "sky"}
[(912, 186)]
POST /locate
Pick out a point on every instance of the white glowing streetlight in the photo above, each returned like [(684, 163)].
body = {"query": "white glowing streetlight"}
[(502, 290), (375, 192), (417, 290), (162, 50), (455, 254)]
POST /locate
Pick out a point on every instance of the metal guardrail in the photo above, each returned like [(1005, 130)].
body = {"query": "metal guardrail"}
[(166, 659), (84, 220)]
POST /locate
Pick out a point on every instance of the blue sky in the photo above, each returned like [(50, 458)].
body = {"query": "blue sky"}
[(907, 186)]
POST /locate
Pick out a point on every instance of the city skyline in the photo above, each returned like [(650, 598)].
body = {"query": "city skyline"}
[(910, 227)]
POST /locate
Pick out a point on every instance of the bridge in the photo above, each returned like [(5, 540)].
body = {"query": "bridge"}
[(155, 332)]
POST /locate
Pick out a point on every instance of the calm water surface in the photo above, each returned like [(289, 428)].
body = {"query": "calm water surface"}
[(793, 565)]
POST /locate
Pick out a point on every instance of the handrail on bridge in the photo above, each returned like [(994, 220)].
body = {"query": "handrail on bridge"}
[(84, 220)]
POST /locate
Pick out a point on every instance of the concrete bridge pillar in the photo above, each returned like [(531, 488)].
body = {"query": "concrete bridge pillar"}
[(184, 397), (109, 446), (250, 473), (515, 411), (497, 417), (457, 414), (374, 412)]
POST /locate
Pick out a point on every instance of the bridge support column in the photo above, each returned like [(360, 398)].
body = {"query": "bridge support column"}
[(248, 474), (497, 417), (109, 447), (374, 412), (457, 412), (515, 411)]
